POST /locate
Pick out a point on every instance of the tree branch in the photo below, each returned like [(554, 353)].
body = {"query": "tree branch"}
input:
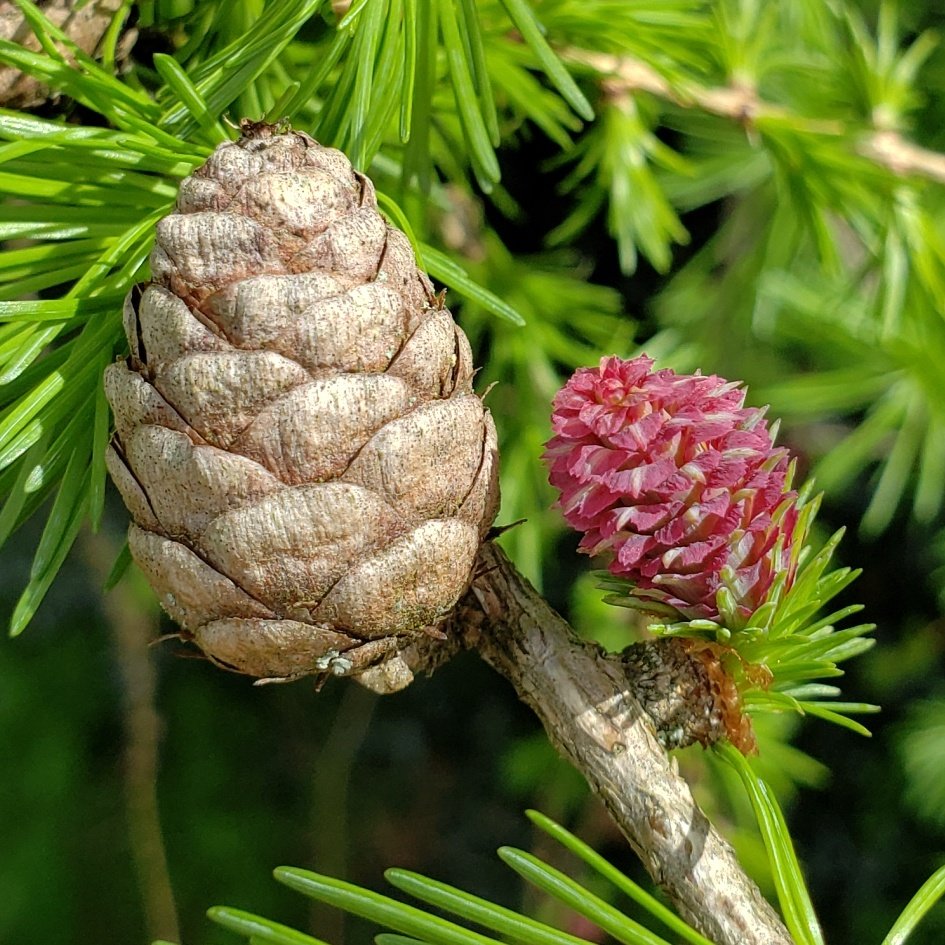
[(591, 712), (885, 147), (133, 626)]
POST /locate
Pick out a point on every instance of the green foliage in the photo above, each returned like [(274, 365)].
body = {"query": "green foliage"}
[(617, 879), (526, 368), (90, 200), (423, 93), (793, 896), (922, 749), (617, 160), (919, 905), (833, 230), (415, 925), (88, 197), (512, 927), (789, 881), (786, 635)]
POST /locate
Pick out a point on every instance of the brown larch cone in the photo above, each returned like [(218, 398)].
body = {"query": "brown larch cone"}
[(297, 439)]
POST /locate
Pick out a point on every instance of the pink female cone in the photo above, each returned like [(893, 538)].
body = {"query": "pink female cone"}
[(676, 481)]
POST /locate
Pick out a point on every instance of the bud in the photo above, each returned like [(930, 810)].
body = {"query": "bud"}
[(677, 482), (297, 438)]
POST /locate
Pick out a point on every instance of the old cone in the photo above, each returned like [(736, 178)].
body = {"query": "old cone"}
[(308, 469)]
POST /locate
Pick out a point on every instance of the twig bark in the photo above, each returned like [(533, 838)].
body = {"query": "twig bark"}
[(883, 146), (589, 709), (331, 802), (132, 627)]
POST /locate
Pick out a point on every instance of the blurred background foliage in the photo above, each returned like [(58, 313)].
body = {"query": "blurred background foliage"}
[(750, 188)]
